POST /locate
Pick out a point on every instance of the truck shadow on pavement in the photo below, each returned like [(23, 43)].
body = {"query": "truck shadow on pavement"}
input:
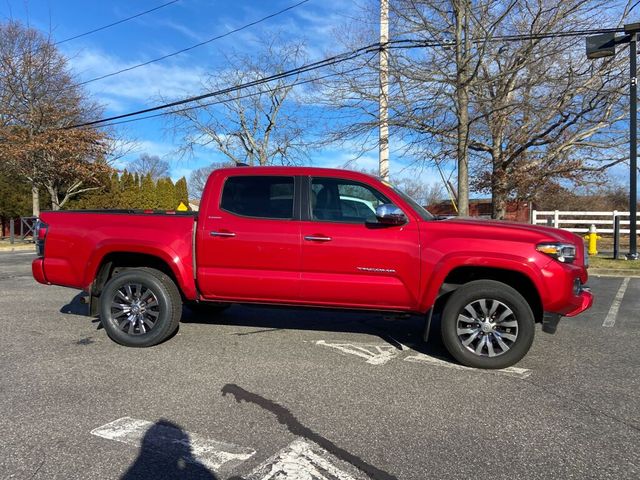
[(75, 306), (400, 331), (166, 453)]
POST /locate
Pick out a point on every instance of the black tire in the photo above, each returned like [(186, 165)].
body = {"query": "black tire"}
[(207, 308), (140, 307), (486, 334)]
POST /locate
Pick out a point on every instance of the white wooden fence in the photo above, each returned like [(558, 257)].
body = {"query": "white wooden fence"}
[(579, 222)]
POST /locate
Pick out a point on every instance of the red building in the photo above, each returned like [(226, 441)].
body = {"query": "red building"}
[(517, 211)]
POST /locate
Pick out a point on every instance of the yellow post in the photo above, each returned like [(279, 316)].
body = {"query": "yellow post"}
[(592, 238)]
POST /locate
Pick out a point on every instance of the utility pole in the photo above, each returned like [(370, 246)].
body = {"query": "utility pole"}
[(383, 142), (463, 47)]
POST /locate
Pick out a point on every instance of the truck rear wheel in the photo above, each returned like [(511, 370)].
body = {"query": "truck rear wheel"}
[(487, 324), (140, 307)]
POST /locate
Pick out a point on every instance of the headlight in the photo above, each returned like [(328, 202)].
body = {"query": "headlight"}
[(563, 252)]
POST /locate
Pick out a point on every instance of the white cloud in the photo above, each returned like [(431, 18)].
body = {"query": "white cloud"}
[(142, 85)]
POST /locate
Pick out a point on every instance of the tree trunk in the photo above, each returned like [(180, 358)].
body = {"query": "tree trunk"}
[(35, 196), (55, 205), (499, 194)]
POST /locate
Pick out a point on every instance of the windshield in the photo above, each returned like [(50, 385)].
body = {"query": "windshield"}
[(420, 210)]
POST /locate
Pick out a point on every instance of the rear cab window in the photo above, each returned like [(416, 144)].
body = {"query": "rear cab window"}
[(268, 197)]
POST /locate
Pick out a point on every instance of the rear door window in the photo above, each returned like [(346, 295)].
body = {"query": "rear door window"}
[(259, 196)]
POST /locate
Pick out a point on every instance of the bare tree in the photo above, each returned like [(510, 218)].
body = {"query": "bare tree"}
[(543, 111), (150, 164), (38, 100), (258, 125), (517, 112), (198, 177)]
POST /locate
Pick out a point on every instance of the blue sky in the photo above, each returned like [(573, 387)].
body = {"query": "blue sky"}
[(172, 28)]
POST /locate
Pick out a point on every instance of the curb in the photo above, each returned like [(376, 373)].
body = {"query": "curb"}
[(613, 272), (18, 248)]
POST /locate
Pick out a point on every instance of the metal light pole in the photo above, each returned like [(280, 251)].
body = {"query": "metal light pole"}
[(604, 45), (633, 146)]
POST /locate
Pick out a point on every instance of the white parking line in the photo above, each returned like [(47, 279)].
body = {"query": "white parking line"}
[(302, 460), (509, 371), (374, 354), (610, 321), (167, 439)]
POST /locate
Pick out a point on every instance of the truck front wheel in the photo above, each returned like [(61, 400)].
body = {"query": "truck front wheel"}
[(140, 307), (487, 324)]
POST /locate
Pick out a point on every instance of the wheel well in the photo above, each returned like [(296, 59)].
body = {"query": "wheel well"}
[(117, 262), (523, 284)]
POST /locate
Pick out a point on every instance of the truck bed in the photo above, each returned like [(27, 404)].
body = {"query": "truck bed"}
[(79, 241)]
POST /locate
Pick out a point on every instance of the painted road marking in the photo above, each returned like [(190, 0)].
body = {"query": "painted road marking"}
[(509, 371), (164, 439), (380, 354), (375, 354), (302, 460), (610, 321)]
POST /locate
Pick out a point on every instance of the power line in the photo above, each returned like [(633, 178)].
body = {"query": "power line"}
[(178, 52), (375, 47), (326, 62), (240, 97), (116, 23)]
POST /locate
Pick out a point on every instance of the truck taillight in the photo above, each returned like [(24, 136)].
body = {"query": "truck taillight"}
[(41, 235)]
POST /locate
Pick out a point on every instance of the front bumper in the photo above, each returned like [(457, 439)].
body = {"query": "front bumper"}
[(550, 320), (586, 300)]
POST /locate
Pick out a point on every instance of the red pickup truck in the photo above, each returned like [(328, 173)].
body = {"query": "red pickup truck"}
[(317, 237)]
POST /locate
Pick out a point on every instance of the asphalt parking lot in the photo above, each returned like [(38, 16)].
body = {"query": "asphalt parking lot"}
[(268, 393)]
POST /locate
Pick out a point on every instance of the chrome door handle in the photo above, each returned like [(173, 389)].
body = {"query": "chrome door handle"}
[(315, 238), (222, 234)]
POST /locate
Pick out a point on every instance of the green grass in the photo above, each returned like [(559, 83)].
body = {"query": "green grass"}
[(610, 263)]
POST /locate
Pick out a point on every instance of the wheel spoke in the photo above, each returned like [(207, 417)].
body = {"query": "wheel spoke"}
[(483, 306), (469, 308), (129, 293), (146, 295), (471, 338), (504, 315), (490, 349), (503, 345), (508, 336), (465, 319), (509, 324), (481, 344), (494, 307), (124, 309), (466, 331), (141, 326), (150, 323), (122, 295), (153, 313), (123, 323)]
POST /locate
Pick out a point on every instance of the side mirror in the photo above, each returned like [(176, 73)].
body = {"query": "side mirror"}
[(389, 214)]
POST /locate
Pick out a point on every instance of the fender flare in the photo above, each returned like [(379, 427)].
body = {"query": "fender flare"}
[(181, 271)]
